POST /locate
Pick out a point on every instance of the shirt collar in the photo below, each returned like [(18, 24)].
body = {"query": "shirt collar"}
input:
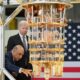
[(21, 35)]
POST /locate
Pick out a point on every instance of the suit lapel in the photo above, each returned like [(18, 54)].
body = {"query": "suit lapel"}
[(19, 40), (27, 42)]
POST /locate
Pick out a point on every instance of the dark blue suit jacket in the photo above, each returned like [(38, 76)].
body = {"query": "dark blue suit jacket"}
[(10, 64), (16, 40)]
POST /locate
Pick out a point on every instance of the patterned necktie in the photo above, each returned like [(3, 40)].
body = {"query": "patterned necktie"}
[(24, 43)]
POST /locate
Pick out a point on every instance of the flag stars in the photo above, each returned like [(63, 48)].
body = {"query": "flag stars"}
[(65, 54), (65, 31), (69, 57), (78, 49), (69, 27), (69, 34), (69, 50), (78, 27), (69, 42), (74, 31), (72, 43), (74, 38), (78, 57), (78, 34), (74, 53), (74, 46), (78, 42), (65, 46)]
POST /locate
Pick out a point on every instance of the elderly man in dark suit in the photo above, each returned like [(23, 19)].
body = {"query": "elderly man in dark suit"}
[(11, 57), (21, 39)]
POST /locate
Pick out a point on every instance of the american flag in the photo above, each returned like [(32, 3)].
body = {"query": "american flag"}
[(72, 53)]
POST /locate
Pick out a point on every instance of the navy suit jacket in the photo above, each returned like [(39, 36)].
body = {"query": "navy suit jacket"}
[(10, 64), (16, 40)]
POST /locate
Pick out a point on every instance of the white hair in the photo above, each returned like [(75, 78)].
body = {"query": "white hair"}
[(23, 22), (15, 48)]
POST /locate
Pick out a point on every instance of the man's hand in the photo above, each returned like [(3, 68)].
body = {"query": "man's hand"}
[(14, 74), (27, 72)]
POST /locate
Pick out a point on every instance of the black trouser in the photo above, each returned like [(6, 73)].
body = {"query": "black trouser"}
[(23, 76)]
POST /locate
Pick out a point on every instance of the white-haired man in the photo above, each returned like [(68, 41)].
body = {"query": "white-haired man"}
[(21, 39)]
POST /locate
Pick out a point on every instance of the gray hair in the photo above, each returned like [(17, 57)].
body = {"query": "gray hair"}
[(15, 48), (23, 22)]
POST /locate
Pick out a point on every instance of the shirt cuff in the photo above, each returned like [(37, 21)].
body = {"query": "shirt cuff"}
[(20, 70)]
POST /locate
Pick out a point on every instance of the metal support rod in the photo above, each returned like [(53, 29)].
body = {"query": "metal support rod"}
[(32, 22), (16, 11), (8, 74), (42, 13), (37, 30), (51, 13), (1, 50)]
